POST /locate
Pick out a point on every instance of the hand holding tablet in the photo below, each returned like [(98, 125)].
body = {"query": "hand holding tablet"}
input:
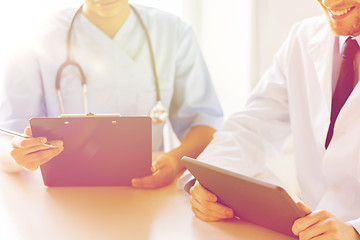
[(251, 200)]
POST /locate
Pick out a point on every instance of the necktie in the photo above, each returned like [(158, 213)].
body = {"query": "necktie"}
[(345, 83)]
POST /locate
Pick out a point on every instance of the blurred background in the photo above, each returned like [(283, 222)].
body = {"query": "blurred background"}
[(238, 39)]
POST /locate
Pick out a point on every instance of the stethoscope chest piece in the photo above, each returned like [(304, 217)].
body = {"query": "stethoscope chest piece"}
[(158, 113)]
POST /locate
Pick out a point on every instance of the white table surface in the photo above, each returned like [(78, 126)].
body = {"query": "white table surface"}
[(30, 210)]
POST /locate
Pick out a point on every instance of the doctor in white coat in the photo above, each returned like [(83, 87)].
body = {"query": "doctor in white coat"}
[(294, 97), (133, 58)]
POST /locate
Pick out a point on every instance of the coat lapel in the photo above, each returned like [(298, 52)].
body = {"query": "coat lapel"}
[(322, 58)]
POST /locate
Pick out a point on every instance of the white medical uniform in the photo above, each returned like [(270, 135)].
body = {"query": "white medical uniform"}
[(118, 72), (294, 97)]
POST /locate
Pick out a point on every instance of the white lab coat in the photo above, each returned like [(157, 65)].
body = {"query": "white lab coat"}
[(118, 71), (294, 97)]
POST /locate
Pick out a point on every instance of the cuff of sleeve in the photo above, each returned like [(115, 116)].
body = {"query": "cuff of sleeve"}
[(356, 224), (186, 181), (214, 122)]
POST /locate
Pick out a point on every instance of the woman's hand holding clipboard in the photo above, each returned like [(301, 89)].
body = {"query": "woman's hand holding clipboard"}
[(30, 152)]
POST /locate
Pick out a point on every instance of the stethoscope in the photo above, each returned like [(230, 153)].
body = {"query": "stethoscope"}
[(158, 112)]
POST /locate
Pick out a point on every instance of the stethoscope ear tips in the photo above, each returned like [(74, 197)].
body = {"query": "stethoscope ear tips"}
[(158, 113)]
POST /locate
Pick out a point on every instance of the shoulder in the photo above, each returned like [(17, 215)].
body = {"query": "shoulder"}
[(307, 35), (46, 33), (54, 24), (310, 27)]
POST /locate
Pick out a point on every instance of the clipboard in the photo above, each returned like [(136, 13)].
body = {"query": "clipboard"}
[(98, 151), (252, 200)]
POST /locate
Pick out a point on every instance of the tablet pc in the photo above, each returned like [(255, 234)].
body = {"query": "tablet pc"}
[(98, 151), (252, 200)]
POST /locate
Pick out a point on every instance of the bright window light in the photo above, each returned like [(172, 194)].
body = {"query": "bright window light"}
[(18, 18)]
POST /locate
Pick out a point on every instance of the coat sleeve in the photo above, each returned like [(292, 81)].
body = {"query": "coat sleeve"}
[(261, 129), (194, 101), (257, 132), (21, 96)]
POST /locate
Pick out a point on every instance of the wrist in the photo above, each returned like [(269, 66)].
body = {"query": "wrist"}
[(175, 158)]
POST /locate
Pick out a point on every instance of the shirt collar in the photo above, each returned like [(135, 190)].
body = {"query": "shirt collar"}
[(342, 40)]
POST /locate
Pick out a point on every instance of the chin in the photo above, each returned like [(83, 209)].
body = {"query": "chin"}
[(345, 31), (345, 28)]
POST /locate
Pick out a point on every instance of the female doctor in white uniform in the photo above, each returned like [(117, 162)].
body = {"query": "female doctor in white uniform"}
[(134, 61)]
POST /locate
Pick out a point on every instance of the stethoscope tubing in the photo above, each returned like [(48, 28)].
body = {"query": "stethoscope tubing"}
[(152, 58), (69, 61)]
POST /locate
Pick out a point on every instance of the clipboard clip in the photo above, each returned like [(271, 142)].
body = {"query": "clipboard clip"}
[(88, 115)]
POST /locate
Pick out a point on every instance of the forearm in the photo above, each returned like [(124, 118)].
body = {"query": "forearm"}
[(7, 163), (193, 143)]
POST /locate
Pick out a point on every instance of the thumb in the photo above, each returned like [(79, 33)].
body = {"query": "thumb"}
[(28, 131), (305, 208), (157, 164)]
